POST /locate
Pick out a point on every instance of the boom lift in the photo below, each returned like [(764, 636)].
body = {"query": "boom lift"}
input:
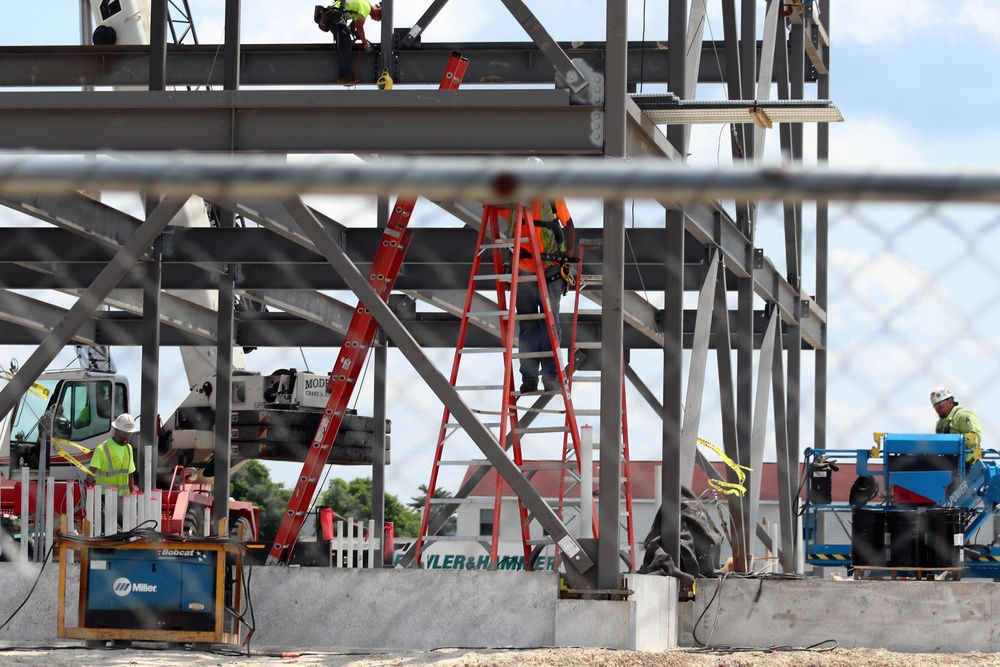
[(919, 513)]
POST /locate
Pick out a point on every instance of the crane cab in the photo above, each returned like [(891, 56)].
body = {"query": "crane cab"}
[(76, 406)]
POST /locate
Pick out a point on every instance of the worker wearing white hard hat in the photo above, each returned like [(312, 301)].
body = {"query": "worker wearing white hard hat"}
[(953, 418), (113, 462)]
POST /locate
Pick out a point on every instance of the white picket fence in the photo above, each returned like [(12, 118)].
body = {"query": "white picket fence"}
[(351, 549), (145, 509)]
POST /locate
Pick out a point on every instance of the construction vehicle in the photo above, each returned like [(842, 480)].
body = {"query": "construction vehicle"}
[(916, 509)]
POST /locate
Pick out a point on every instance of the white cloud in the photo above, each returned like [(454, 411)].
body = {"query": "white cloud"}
[(889, 23), (873, 142)]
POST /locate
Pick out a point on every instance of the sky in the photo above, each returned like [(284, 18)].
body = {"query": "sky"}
[(911, 287)]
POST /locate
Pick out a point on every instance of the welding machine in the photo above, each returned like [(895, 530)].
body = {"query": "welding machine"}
[(154, 590)]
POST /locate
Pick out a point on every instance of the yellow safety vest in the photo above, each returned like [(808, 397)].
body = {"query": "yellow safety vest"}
[(113, 464)]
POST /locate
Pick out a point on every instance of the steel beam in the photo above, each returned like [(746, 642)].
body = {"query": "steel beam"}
[(478, 121), (312, 64), (64, 331)]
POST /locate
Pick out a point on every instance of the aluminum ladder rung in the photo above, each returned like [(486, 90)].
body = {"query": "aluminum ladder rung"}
[(505, 277), (481, 350), (588, 412), (529, 316), (471, 500), (486, 424), (588, 346), (489, 313), (478, 387), (451, 538), (542, 429), (531, 355), (546, 466), (459, 462)]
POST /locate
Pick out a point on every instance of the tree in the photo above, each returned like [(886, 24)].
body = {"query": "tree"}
[(418, 502), (354, 500), (253, 483)]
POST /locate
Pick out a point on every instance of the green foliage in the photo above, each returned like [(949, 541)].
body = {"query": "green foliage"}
[(418, 502), (253, 483), (354, 500)]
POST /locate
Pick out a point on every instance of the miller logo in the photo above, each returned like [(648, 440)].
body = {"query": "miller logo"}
[(123, 587)]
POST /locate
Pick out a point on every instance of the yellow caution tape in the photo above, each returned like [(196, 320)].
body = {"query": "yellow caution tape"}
[(58, 442), (728, 488), (39, 390)]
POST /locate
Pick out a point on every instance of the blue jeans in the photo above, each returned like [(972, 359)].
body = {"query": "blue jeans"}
[(345, 44), (533, 335)]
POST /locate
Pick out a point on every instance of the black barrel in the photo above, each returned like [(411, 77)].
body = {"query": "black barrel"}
[(906, 537), (868, 537), (942, 524)]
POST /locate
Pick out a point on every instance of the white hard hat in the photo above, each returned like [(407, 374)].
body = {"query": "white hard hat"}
[(939, 395), (534, 161), (124, 422)]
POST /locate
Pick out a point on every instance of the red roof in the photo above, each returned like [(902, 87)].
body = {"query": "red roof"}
[(643, 480)]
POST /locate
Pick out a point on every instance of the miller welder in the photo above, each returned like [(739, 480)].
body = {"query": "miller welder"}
[(155, 589)]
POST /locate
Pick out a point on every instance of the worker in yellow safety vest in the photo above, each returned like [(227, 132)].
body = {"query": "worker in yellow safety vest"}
[(556, 235), (113, 461), (955, 419), (352, 25)]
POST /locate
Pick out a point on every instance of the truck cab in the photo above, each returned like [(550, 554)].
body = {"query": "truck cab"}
[(73, 405)]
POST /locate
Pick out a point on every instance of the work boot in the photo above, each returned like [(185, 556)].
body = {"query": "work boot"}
[(347, 81), (528, 386), (551, 383)]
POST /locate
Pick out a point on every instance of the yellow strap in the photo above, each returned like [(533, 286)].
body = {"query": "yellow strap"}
[(58, 442), (728, 488), (41, 391)]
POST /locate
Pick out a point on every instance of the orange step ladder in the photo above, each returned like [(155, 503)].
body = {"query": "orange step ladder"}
[(507, 425)]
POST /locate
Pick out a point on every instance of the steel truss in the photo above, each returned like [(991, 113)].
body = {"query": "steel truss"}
[(108, 257)]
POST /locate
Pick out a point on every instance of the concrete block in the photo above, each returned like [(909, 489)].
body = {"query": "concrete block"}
[(594, 623), (909, 616), (418, 609), (655, 612), (644, 622)]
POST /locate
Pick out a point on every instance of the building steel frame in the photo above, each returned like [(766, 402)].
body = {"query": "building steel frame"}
[(106, 256)]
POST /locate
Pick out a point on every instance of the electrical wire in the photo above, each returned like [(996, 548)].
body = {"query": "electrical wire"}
[(45, 562), (704, 647)]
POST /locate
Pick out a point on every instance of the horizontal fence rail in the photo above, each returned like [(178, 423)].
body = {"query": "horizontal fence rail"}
[(460, 178)]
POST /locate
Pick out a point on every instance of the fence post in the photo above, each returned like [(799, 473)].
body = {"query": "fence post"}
[(24, 513), (50, 515)]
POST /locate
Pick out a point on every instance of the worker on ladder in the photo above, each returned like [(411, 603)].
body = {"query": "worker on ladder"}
[(555, 231)]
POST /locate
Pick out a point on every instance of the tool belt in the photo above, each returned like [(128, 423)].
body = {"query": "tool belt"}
[(328, 17)]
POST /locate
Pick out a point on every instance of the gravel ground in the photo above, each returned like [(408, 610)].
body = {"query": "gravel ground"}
[(70, 655)]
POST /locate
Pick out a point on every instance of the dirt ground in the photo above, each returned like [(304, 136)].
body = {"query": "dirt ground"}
[(74, 655)]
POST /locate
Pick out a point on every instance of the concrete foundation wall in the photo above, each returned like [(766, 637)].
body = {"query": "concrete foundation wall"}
[(910, 616), (414, 609)]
